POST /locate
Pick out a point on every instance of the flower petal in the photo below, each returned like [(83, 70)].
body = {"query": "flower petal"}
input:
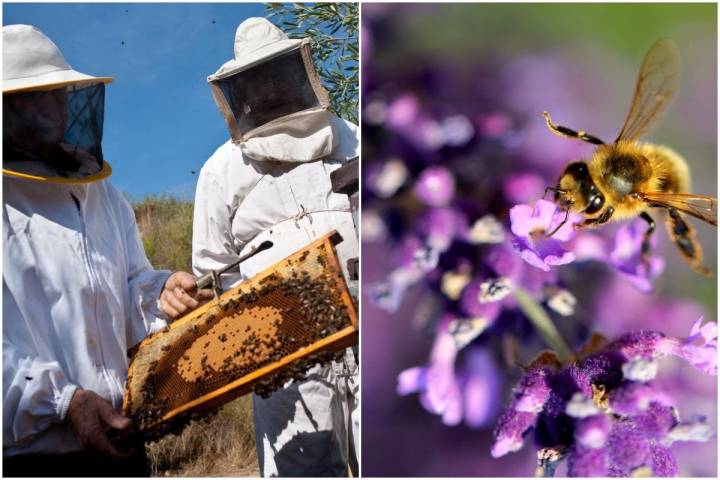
[(412, 380), (663, 462), (509, 431), (521, 220)]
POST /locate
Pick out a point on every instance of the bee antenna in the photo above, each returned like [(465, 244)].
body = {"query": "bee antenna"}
[(553, 189), (567, 214)]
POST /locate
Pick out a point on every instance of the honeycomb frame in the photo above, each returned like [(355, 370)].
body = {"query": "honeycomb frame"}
[(254, 336)]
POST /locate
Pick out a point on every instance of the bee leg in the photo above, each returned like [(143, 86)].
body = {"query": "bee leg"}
[(564, 221), (570, 133), (683, 236), (645, 246), (592, 222)]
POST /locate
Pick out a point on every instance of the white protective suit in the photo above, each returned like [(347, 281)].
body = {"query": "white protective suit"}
[(275, 185), (78, 291)]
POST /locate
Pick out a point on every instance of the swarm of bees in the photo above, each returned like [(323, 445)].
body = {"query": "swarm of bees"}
[(626, 178)]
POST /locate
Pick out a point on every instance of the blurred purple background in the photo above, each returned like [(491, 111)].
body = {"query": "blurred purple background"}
[(462, 87)]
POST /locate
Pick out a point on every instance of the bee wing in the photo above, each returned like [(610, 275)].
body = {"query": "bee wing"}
[(657, 83), (703, 207)]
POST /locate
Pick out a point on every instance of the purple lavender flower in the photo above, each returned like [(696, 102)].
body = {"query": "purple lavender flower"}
[(530, 226), (455, 391), (441, 226), (529, 398), (700, 348), (435, 187), (601, 412), (457, 130), (627, 259), (413, 261), (484, 297), (402, 112)]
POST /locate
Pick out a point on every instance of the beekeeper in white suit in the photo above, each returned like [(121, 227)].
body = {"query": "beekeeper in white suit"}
[(78, 290), (271, 181)]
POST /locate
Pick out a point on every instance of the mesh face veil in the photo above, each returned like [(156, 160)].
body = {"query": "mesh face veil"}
[(262, 93), (53, 114), (55, 134)]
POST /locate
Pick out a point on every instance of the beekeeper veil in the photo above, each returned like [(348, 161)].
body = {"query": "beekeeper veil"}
[(52, 114), (271, 96)]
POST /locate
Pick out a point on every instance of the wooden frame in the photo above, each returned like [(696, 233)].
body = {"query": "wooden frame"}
[(152, 349)]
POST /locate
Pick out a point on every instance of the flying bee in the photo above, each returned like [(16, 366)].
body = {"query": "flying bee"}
[(626, 178)]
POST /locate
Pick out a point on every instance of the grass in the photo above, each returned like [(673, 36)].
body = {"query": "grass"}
[(224, 446)]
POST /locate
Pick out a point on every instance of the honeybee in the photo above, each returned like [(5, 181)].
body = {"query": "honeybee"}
[(627, 178)]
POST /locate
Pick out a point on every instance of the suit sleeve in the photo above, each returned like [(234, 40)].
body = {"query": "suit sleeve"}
[(213, 245), (36, 391)]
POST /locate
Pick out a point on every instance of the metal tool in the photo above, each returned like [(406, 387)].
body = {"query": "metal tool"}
[(213, 278)]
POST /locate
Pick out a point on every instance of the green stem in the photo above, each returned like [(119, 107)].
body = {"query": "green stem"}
[(542, 323)]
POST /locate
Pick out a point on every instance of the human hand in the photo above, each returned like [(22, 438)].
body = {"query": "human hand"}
[(181, 295), (91, 417)]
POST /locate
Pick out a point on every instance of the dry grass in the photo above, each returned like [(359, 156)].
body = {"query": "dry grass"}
[(222, 447)]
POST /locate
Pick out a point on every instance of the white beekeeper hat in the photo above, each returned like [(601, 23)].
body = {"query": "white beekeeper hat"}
[(32, 64), (31, 61), (271, 84), (256, 40)]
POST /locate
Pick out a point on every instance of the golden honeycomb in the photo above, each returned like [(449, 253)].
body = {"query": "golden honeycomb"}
[(257, 335)]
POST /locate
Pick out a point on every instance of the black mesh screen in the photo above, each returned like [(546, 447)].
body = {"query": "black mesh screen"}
[(86, 113), (268, 91), (54, 132)]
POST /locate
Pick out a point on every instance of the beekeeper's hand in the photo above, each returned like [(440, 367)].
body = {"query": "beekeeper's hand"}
[(91, 417), (181, 295)]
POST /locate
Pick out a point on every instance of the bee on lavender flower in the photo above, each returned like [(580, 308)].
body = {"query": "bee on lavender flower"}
[(627, 177)]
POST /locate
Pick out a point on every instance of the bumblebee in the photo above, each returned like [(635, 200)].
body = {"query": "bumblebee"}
[(627, 178)]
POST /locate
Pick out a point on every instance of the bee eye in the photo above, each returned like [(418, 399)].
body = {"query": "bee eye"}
[(595, 204)]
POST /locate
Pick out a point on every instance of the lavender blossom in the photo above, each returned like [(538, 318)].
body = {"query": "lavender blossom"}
[(601, 412), (414, 261), (455, 393), (530, 227), (435, 187), (627, 258), (402, 112), (700, 348), (483, 297), (441, 226)]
